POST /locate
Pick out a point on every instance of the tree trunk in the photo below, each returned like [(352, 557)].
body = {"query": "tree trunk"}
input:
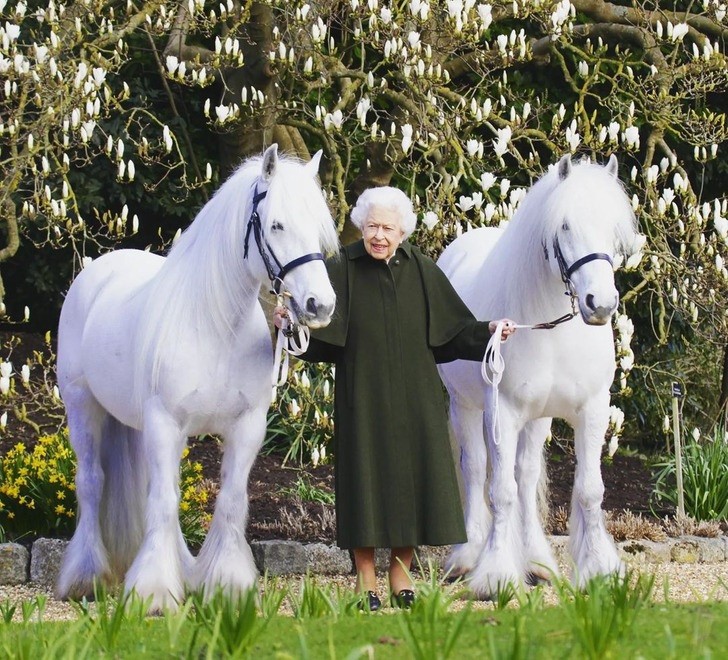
[(252, 136)]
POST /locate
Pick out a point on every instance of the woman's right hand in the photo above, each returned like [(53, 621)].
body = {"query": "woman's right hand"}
[(279, 314)]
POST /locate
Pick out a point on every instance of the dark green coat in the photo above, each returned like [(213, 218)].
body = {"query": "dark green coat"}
[(396, 484)]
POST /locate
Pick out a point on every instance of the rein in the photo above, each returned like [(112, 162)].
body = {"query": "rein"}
[(493, 364), (292, 338)]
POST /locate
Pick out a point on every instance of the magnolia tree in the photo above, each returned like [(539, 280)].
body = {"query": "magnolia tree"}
[(461, 103)]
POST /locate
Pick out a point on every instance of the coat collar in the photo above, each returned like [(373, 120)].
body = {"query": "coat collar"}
[(357, 250)]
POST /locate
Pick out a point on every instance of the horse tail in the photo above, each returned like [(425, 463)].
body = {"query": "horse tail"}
[(123, 501)]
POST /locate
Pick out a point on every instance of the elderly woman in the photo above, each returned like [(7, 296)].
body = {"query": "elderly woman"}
[(396, 317)]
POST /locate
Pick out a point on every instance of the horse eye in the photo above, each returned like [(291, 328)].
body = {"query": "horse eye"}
[(565, 226), (276, 226)]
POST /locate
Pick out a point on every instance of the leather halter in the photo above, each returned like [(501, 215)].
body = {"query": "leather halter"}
[(266, 252), (566, 273)]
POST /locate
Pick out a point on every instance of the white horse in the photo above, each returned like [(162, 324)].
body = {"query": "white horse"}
[(561, 240), (152, 350)]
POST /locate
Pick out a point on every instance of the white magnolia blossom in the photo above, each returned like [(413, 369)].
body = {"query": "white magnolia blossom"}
[(677, 32), (6, 369), (3, 420), (573, 139), (485, 13), (500, 144), (475, 148), (361, 110), (335, 119), (632, 137), (429, 219), (465, 203), (406, 137), (25, 374), (487, 180)]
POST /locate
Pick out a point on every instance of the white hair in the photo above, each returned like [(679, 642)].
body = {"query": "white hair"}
[(388, 198)]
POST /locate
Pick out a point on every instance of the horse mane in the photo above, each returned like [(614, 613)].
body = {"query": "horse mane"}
[(592, 200), (205, 277)]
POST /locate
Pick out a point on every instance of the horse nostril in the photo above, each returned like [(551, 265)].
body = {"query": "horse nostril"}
[(312, 306), (590, 302)]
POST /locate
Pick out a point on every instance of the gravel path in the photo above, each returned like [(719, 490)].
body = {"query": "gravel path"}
[(685, 583)]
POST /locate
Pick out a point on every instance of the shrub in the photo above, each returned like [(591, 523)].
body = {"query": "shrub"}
[(300, 420), (38, 492), (37, 488), (705, 479)]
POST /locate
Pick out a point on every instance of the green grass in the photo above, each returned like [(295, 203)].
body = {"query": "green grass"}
[(658, 631)]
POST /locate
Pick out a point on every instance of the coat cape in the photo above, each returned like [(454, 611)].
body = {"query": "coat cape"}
[(396, 483)]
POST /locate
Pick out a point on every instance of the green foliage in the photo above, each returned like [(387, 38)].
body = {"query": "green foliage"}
[(705, 479), (314, 601), (605, 610), (428, 629), (38, 491), (300, 420), (613, 610), (232, 624), (305, 491)]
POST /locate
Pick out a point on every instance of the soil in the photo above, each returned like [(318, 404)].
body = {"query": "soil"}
[(277, 512)]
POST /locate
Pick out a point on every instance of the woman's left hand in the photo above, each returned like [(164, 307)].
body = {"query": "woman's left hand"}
[(509, 327)]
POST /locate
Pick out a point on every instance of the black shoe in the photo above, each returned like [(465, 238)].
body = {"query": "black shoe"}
[(369, 602), (404, 599)]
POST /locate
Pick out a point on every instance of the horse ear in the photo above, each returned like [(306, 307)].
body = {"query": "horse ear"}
[(564, 167), (270, 161), (312, 167), (613, 166)]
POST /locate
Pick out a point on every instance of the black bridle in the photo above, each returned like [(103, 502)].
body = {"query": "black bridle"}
[(266, 252), (566, 273)]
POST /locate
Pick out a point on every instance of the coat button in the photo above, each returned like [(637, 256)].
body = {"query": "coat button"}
[(396, 262)]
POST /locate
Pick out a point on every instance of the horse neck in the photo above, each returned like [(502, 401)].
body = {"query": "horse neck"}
[(206, 282), (522, 284)]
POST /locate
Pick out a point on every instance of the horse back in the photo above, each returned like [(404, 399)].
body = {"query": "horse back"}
[(465, 257), (95, 316)]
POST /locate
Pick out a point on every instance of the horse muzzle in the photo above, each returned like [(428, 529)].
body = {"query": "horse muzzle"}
[(314, 313), (596, 312)]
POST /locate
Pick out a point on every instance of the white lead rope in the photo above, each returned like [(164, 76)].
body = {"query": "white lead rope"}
[(493, 366), (288, 343)]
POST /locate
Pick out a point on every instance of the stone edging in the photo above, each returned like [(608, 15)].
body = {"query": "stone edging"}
[(40, 565)]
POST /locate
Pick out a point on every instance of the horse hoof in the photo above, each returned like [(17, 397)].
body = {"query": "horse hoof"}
[(454, 576), (534, 579)]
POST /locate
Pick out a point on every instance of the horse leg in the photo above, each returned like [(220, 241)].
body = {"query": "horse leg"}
[(85, 561), (225, 560), (500, 563), (467, 425), (592, 548), (157, 571), (539, 558)]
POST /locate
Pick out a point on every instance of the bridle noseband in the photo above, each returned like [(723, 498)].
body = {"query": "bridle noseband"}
[(266, 252), (566, 273)]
